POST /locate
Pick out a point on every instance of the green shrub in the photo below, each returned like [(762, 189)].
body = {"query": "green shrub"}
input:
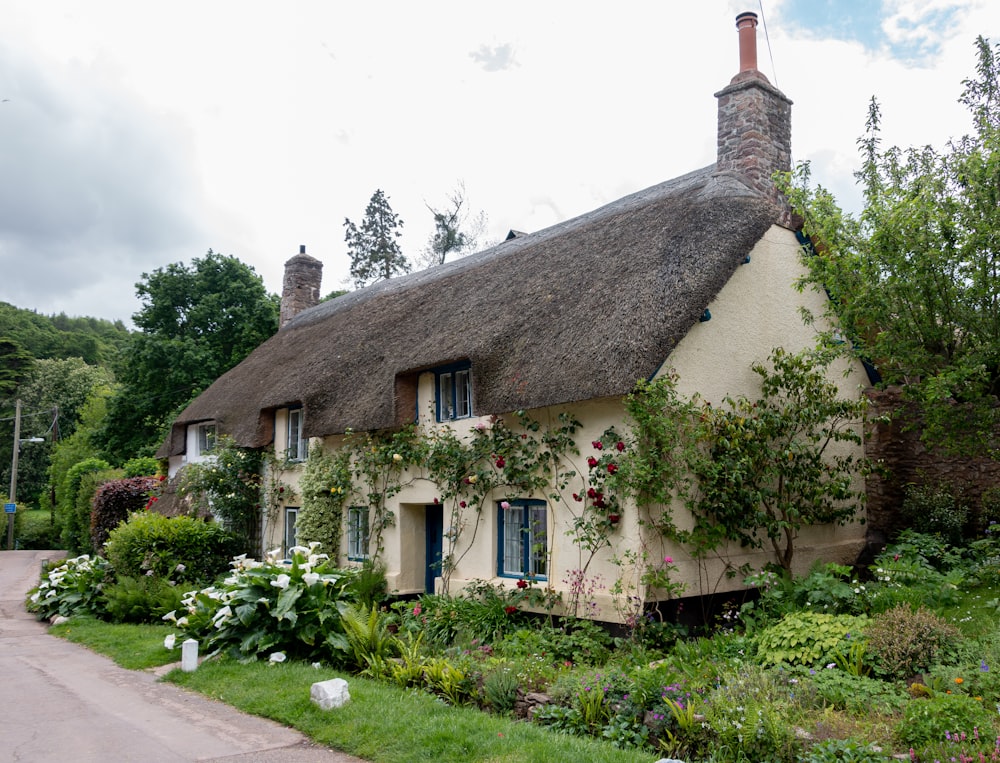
[(939, 509), (845, 751), (805, 638), (74, 587), (142, 466), (904, 641), (182, 549), (931, 721), (857, 695), (140, 600), (114, 501), (269, 607), (80, 483), (500, 690), (34, 530)]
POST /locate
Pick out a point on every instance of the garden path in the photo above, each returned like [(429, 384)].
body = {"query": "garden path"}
[(60, 701)]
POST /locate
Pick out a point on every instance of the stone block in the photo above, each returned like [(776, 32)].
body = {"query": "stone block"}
[(330, 694)]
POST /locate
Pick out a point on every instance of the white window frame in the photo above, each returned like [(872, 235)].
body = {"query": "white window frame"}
[(358, 533), (207, 437), (296, 446)]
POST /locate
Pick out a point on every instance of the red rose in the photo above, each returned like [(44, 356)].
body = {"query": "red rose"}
[(614, 518), (462, 504), (577, 497), (522, 583), (620, 446), (591, 462), (510, 609), (612, 468), (500, 463), (598, 445), (591, 493)]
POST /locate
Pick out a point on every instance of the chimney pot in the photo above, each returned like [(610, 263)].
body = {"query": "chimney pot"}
[(302, 248), (746, 23)]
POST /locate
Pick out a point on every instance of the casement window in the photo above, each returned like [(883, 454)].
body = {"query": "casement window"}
[(290, 539), (454, 392), (522, 536), (296, 446), (208, 434), (357, 533)]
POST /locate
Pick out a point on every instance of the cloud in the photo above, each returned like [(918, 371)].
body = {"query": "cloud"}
[(496, 58)]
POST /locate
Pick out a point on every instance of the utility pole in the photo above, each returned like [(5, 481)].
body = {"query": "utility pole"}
[(13, 476)]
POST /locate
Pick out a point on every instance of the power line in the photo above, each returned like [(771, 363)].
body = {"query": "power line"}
[(767, 39)]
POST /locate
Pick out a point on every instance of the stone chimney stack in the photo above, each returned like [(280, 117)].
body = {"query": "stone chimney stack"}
[(755, 122), (300, 289)]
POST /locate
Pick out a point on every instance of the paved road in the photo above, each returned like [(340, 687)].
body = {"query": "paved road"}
[(61, 702)]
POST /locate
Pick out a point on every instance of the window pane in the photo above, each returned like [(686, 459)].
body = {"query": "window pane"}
[(357, 532), (446, 398), (463, 394), (513, 540), (291, 515), (538, 538)]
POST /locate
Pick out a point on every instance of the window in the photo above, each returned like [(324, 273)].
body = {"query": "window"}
[(296, 446), (207, 435), (454, 392), (357, 533), (522, 537), (290, 539)]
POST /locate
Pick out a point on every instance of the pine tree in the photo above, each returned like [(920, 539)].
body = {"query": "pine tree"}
[(374, 247)]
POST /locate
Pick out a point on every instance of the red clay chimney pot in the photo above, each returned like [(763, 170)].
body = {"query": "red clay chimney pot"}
[(746, 23)]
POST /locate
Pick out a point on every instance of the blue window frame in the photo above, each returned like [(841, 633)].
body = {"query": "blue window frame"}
[(522, 539), (453, 391)]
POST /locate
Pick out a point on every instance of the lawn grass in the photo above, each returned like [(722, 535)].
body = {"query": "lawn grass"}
[(134, 647), (385, 724)]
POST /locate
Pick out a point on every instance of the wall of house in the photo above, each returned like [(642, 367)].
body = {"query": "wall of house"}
[(760, 309)]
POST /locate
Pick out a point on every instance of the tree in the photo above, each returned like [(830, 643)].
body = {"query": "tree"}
[(454, 234), (195, 324), (374, 247), (15, 364), (915, 280)]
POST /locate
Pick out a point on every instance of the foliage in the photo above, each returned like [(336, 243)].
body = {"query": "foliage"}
[(912, 280), (775, 464), (52, 395), (114, 501), (35, 530), (929, 721), (183, 549), (144, 599), (229, 485), (95, 340), (15, 364), (71, 450), (903, 641), (454, 234), (325, 486), (858, 695), (369, 638), (846, 750), (935, 509), (267, 607), (81, 483), (806, 638), (144, 466), (195, 323), (374, 247), (73, 587)]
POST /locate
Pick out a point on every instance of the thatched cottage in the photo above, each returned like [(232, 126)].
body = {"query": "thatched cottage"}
[(695, 275)]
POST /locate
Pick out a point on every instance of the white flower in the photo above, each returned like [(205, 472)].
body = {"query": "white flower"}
[(180, 568), (182, 622), (310, 578), (396, 457), (313, 545), (224, 612), (281, 581), (277, 657), (171, 616), (316, 666), (168, 642)]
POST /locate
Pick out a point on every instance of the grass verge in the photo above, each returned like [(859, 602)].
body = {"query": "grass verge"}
[(135, 647), (386, 724)]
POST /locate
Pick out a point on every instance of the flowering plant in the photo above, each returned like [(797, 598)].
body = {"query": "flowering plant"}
[(270, 605), (75, 586)]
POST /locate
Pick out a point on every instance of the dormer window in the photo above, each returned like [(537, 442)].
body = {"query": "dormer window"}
[(208, 434), (454, 392), (296, 446)]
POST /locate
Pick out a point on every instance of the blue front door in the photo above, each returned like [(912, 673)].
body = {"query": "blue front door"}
[(434, 531)]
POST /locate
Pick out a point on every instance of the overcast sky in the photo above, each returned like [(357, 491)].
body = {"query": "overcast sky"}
[(134, 135)]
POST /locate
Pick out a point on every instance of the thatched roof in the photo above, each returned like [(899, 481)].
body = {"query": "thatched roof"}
[(578, 311)]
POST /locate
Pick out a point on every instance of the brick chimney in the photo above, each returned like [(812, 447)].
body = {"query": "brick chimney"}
[(300, 289), (755, 122)]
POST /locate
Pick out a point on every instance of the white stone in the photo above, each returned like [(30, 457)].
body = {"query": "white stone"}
[(189, 655), (330, 694), (59, 619)]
